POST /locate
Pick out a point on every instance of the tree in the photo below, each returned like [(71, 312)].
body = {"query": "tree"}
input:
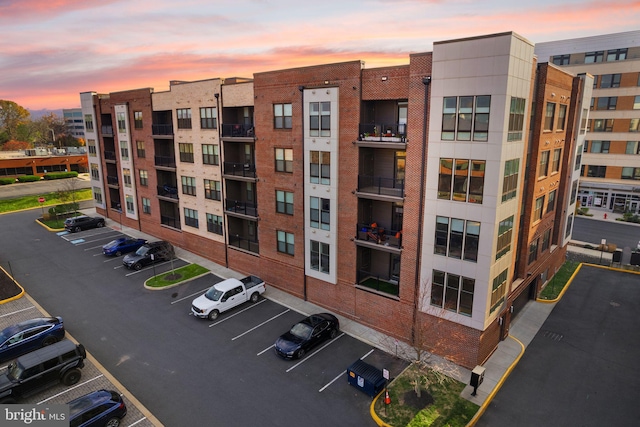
[(12, 116), (49, 129)]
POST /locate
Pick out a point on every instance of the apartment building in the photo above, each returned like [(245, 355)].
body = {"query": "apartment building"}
[(611, 159), (73, 120), (429, 200)]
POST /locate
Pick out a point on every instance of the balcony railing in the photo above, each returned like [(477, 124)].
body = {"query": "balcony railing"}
[(112, 180), (168, 191), (381, 132), (240, 207), (380, 185), (166, 161), (247, 170), (237, 131), (162, 129), (107, 129), (379, 282), (250, 245), (170, 221), (379, 235), (110, 155)]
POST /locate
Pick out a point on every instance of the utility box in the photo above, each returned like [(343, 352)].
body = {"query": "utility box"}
[(477, 376), (366, 377)]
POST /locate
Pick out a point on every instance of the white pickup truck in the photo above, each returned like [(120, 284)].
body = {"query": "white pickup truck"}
[(227, 294)]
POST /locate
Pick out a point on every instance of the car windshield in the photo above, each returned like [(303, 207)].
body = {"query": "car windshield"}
[(301, 330), (112, 243), (143, 250), (213, 294)]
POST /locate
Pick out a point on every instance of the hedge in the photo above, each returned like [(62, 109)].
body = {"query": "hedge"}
[(61, 175), (7, 181), (28, 178)]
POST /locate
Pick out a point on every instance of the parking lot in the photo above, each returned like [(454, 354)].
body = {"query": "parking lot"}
[(222, 372)]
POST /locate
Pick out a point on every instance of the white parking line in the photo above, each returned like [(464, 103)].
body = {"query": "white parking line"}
[(342, 374), (190, 296), (257, 326), (235, 314), (265, 350), (315, 352), (18, 311), (69, 389), (144, 269), (139, 421)]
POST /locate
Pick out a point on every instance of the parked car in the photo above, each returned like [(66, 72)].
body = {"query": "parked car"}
[(42, 369), (306, 334), (101, 408), (123, 245), (83, 222), (23, 337), (149, 253), (227, 294)]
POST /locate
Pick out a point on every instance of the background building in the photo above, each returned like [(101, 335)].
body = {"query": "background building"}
[(73, 120)]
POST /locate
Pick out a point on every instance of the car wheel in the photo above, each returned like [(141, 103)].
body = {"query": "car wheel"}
[(137, 266), (118, 253), (300, 354), (113, 422), (255, 297), (71, 377), (49, 341), (214, 314), (333, 333), (100, 224), (77, 229)]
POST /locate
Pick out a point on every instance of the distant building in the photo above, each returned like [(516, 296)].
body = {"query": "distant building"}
[(610, 176), (40, 161), (73, 121)]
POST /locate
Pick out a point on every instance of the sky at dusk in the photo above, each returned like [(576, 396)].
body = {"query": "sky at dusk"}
[(51, 50)]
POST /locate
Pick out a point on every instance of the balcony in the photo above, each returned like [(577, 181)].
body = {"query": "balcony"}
[(382, 132), (112, 180), (250, 245), (110, 155), (107, 130), (168, 191), (378, 282), (393, 187), (237, 131), (165, 161), (241, 207), (245, 170), (170, 221), (162, 129), (377, 235)]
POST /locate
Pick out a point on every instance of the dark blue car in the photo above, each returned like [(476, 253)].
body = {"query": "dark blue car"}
[(123, 245), (102, 408), (29, 335)]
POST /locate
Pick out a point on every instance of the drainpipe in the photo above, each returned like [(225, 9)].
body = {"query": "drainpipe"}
[(426, 81), (304, 236), (222, 192)]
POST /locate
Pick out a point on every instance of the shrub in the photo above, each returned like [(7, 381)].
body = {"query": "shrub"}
[(7, 181), (60, 175), (28, 178)]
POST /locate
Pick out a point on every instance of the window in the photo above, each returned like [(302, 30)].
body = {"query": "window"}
[(457, 238), (600, 146), (591, 57), (464, 117), (184, 118), (97, 194), (633, 125), (320, 257), (214, 224), (557, 155), (516, 119), (466, 184), (320, 167), (95, 174), (594, 171), (122, 122), (319, 119), (140, 149), (632, 147), (551, 203), (445, 179), (124, 150), (186, 152), (144, 177), (546, 239), (210, 154), (126, 177), (284, 160), (630, 173), (574, 192), (282, 116), (137, 119), (128, 200), (208, 118), (578, 157), (505, 232), (607, 103), (603, 125), (610, 80), (510, 179), (146, 205), (561, 59), (543, 168), (549, 114), (91, 148), (562, 114), (616, 55), (452, 292), (191, 217), (284, 202), (320, 210), (212, 190), (285, 243), (533, 251), (88, 122), (499, 289), (189, 185), (584, 123), (476, 181), (569, 225), (537, 213)]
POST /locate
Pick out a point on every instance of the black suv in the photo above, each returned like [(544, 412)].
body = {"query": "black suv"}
[(41, 369), (83, 222), (101, 408), (149, 253)]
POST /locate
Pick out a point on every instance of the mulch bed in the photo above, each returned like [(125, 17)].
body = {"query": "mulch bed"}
[(8, 288), (410, 398)]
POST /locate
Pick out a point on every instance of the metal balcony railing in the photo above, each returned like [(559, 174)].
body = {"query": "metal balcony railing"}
[(241, 207), (383, 132), (247, 170), (380, 185)]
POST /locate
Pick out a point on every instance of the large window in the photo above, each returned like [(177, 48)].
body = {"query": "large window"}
[(607, 103), (284, 160), (91, 148), (630, 173), (633, 147), (533, 251), (562, 116), (208, 118), (616, 55), (88, 122), (320, 167), (543, 167), (549, 115), (457, 238), (191, 217), (591, 57), (210, 154), (285, 243), (465, 118), (516, 119), (561, 59), (594, 171), (126, 177), (551, 202), (319, 119), (189, 185), (602, 125), (124, 150), (140, 149), (499, 289), (282, 116), (284, 202), (128, 200), (634, 125), (184, 118), (557, 156), (320, 257), (186, 152), (537, 213), (319, 210), (610, 80), (146, 205), (510, 179), (137, 119), (546, 240), (121, 118), (600, 146), (452, 292), (214, 224), (144, 177), (466, 184), (505, 233), (212, 190)]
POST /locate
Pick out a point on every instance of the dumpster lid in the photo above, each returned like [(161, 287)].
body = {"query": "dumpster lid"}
[(366, 371)]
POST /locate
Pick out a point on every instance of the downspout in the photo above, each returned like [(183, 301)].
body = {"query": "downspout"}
[(222, 195), (423, 171), (304, 226)]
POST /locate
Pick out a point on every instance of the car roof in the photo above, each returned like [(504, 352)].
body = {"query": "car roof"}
[(46, 353), (228, 284), (88, 401), (22, 326)]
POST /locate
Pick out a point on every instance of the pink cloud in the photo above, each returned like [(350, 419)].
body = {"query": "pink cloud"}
[(30, 10)]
